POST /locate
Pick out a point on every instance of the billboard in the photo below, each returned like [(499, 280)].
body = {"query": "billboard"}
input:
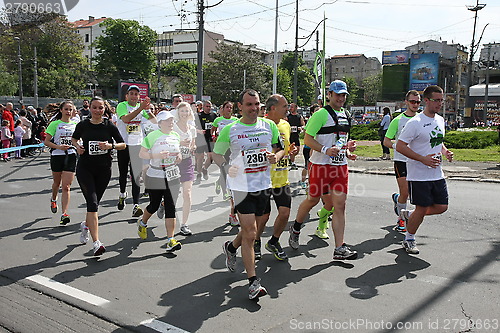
[(143, 87), (424, 70), (395, 57)]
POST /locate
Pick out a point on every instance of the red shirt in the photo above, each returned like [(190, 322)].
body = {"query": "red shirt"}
[(7, 115)]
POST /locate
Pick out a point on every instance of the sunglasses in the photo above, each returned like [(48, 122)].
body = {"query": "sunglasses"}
[(412, 101), (439, 100)]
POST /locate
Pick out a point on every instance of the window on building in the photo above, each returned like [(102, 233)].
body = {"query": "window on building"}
[(87, 38)]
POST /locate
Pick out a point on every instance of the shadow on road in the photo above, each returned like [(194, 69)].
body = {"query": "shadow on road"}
[(367, 284)]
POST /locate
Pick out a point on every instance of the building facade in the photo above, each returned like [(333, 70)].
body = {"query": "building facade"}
[(183, 45), (357, 66), (89, 30)]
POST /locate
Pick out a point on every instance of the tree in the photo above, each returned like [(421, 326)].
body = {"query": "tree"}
[(305, 80), (223, 77), (186, 72), (124, 51), (287, 62), (9, 84), (284, 84), (352, 87), (62, 69), (373, 88)]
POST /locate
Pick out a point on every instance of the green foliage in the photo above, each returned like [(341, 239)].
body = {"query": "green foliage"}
[(223, 77), (471, 140), (365, 131), (124, 52), (305, 86), (353, 88), (186, 74), (187, 81), (175, 68), (284, 84), (305, 80), (10, 82), (491, 153), (373, 88), (62, 69), (287, 62)]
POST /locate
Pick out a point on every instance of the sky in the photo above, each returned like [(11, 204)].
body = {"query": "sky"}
[(352, 26)]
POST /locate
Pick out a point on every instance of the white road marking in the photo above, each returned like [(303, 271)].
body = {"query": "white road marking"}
[(73, 292), (160, 326)]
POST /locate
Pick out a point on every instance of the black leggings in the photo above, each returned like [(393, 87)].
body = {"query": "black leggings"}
[(130, 157), (93, 182), (169, 193)]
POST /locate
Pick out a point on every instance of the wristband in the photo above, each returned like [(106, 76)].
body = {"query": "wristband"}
[(324, 149), (112, 145)]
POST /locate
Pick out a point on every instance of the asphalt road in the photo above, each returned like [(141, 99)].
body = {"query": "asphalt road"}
[(451, 286)]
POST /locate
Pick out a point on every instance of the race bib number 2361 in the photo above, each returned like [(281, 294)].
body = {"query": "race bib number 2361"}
[(255, 160)]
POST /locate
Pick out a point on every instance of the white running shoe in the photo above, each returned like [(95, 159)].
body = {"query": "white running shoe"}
[(98, 248), (84, 236)]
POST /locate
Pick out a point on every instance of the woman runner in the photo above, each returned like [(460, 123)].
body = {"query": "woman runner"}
[(93, 171), (62, 157), (162, 147)]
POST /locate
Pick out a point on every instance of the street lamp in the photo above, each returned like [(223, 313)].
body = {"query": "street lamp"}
[(19, 60)]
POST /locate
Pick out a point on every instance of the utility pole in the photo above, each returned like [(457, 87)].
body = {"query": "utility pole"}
[(473, 46), (485, 110), (35, 78), (201, 32), (158, 77), (19, 60), (295, 59), (275, 62), (318, 84)]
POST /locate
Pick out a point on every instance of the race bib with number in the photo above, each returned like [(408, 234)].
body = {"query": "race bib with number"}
[(94, 148), (168, 161), (283, 164), (186, 152), (293, 129), (133, 128), (65, 140), (208, 126), (255, 160), (339, 159), (172, 172)]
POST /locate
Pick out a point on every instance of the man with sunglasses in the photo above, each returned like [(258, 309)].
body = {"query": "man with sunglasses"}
[(412, 101), (422, 141)]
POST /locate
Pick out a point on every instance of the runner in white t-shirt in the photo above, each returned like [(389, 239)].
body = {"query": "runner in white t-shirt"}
[(327, 133), (253, 142), (422, 141), (412, 101), (62, 157), (131, 114)]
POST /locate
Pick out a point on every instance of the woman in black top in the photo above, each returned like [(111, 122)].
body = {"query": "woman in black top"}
[(98, 137)]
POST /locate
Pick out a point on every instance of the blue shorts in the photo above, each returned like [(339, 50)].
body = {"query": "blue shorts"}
[(428, 193)]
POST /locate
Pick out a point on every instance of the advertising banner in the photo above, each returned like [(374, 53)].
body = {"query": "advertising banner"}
[(395, 57), (143, 87), (423, 70)]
